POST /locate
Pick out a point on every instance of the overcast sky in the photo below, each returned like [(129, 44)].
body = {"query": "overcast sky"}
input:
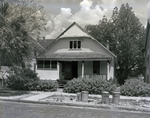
[(62, 13)]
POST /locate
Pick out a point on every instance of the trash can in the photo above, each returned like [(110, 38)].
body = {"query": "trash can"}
[(105, 97), (78, 96), (84, 95), (116, 97)]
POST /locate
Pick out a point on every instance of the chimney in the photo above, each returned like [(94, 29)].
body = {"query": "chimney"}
[(107, 44)]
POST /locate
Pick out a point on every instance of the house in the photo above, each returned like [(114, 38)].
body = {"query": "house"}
[(146, 53), (75, 54)]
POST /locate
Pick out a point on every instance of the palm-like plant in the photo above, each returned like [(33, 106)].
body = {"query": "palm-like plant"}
[(19, 20)]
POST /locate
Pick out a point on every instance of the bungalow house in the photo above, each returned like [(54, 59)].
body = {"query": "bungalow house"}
[(75, 54), (146, 52)]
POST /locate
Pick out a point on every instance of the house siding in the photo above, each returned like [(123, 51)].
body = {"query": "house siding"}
[(48, 74), (87, 45)]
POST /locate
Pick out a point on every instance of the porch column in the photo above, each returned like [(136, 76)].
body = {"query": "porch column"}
[(58, 69), (82, 69), (108, 76)]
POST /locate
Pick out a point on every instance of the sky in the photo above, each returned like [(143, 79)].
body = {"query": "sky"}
[(62, 13)]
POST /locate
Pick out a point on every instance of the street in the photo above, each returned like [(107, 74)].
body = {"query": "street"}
[(29, 110)]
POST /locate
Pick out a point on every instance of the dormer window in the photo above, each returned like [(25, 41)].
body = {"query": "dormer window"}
[(75, 45)]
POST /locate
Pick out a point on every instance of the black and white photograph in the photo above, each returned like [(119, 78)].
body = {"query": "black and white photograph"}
[(74, 58)]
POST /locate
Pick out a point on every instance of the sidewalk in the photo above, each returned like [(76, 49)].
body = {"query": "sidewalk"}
[(40, 97)]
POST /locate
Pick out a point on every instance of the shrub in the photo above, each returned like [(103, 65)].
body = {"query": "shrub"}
[(93, 86), (46, 85), (135, 87), (22, 79)]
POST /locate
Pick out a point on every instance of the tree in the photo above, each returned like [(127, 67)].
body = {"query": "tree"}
[(20, 23), (126, 35)]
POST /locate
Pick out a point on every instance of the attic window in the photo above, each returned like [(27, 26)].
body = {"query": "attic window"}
[(75, 45)]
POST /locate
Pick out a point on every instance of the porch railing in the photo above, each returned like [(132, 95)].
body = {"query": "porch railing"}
[(96, 76)]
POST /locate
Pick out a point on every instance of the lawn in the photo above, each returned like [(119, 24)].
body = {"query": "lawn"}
[(4, 92)]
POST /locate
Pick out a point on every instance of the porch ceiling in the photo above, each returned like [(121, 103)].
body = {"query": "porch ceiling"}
[(76, 56)]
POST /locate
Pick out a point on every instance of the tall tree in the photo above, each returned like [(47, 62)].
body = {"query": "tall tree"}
[(126, 35), (20, 23)]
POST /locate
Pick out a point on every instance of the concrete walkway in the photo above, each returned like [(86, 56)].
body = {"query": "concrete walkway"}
[(36, 96)]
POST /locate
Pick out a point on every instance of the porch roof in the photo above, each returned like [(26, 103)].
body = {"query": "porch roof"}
[(75, 56)]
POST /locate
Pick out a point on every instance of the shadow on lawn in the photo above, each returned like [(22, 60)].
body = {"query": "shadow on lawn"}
[(8, 92)]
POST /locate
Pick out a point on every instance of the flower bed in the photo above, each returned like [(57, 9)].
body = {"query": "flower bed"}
[(61, 98)]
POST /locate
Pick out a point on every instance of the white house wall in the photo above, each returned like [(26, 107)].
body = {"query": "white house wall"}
[(48, 74)]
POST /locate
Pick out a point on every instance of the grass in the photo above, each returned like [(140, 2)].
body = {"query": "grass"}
[(4, 92)]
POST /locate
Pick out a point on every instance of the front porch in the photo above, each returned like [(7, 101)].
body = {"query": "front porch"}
[(66, 66), (68, 70)]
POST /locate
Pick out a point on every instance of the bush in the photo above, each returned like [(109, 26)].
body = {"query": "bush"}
[(46, 85), (135, 87), (22, 79), (93, 86)]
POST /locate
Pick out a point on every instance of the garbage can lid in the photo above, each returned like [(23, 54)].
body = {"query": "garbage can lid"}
[(85, 92), (116, 92), (105, 92)]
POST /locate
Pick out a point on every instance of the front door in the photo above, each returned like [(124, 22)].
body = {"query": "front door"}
[(70, 70), (74, 69)]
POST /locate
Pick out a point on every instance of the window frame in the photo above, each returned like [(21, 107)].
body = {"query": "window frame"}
[(50, 67), (75, 44)]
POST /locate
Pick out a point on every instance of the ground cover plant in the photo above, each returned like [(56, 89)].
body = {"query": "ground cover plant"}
[(92, 85), (135, 87), (8, 92)]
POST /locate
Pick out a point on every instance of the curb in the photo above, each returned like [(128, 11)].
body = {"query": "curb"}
[(102, 106)]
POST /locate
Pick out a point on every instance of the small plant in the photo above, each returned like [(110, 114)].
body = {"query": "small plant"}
[(135, 87), (93, 86)]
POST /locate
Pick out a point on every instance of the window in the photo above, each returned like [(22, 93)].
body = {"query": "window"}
[(39, 64), (79, 44), (45, 64), (54, 64), (71, 44), (75, 45)]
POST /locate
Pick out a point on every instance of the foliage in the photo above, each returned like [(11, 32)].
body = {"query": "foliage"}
[(20, 23), (125, 35), (22, 79), (46, 85), (135, 87), (93, 86)]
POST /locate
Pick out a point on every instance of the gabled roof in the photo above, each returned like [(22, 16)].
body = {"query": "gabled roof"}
[(74, 32), (46, 42), (84, 34)]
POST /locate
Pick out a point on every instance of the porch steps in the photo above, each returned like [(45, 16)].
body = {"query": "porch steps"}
[(61, 85)]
